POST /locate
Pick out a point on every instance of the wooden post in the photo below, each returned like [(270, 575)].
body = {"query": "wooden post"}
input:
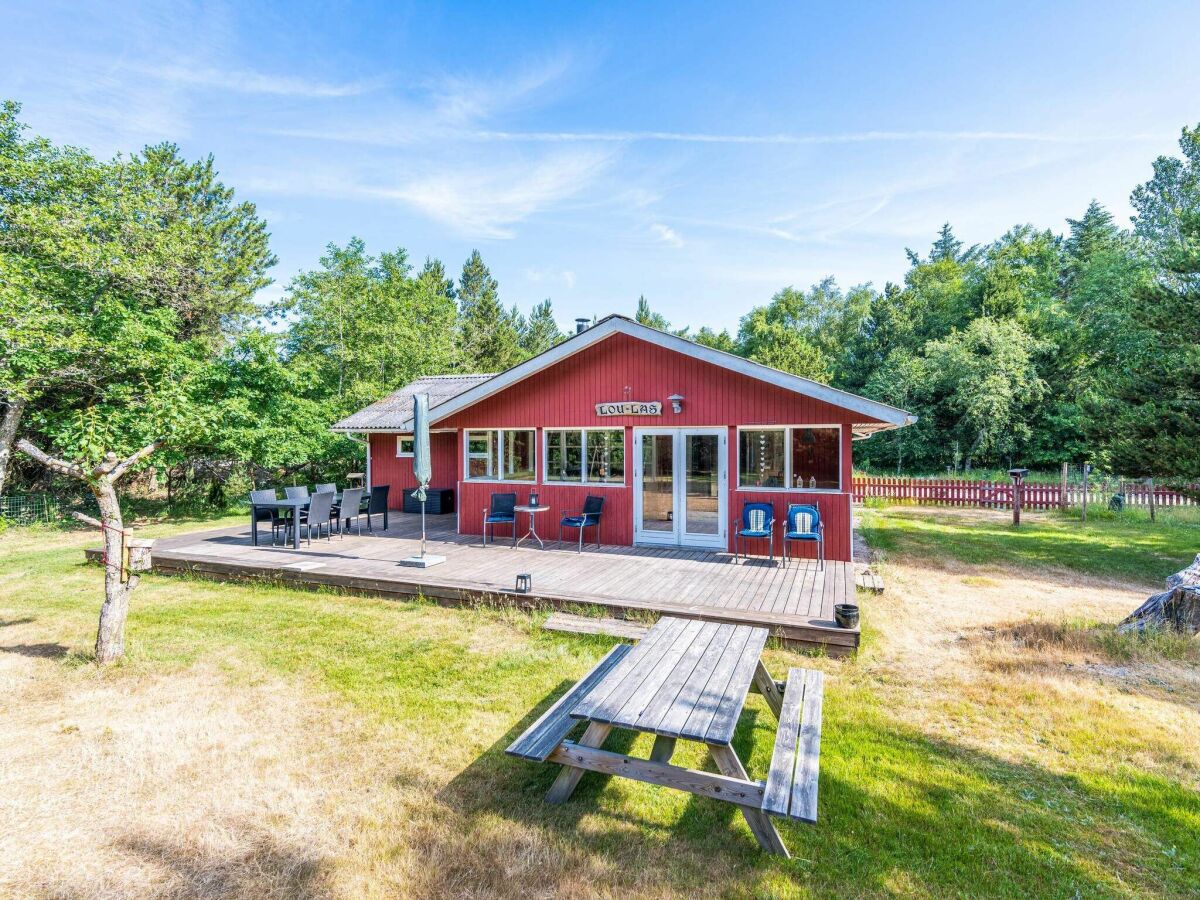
[(1150, 481), (1062, 496), (1086, 470)]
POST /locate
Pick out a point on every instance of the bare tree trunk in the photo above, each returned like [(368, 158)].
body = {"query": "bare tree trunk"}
[(110, 636), (102, 479), (13, 410)]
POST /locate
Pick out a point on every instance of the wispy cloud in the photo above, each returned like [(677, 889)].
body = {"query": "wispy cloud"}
[(666, 234), (852, 137), (478, 202), (248, 81), (539, 276)]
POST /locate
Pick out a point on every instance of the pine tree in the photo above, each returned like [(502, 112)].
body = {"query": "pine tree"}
[(646, 316), (947, 246), (541, 331), (1094, 232), (488, 337)]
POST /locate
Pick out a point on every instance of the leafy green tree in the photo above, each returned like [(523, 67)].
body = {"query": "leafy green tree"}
[(489, 336), (541, 331), (96, 255), (721, 340), (988, 382), (1153, 399)]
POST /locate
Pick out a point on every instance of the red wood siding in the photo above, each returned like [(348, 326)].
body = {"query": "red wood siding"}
[(566, 394), (387, 468), (626, 368)]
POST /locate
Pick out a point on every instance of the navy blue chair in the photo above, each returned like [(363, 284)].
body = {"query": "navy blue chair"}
[(758, 521), (503, 511), (377, 504), (593, 507), (803, 523)]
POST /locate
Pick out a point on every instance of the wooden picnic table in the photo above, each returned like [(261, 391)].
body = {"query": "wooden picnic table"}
[(688, 679)]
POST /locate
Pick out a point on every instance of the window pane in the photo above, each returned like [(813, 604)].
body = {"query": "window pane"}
[(477, 442), (564, 455), (815, 462), (760, 459), (479, 454), (606, 457), (518, 455)]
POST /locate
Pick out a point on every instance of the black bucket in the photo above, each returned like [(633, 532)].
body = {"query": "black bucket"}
[(846, 615)]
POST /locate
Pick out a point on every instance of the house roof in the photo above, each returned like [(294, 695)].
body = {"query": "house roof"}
[(394, 412), (467, 390)]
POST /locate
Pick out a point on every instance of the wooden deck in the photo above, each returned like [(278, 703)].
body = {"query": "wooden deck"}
[(795, 603)]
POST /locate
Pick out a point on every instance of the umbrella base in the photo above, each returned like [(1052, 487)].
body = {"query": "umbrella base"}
[(422, 562)]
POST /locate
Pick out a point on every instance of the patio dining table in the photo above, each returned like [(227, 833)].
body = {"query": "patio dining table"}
[(688, 679), (292, 505)]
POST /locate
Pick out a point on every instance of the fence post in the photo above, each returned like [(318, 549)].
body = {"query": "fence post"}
[(1062, 489), (1086, 470), (1151, 499)]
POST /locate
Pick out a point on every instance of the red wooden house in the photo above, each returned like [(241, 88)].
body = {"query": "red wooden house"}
[(674, 435)]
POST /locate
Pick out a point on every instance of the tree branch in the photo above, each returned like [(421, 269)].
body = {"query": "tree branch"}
[(120, 468), (50, 462), (88, 520)]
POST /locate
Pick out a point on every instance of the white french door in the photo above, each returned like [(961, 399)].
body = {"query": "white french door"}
[(680, 487)]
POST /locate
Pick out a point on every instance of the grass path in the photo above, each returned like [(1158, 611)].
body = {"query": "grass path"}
[(268, 741)]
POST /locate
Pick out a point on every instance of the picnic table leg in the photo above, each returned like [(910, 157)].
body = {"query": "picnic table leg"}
[(663, 749), (254, 525), (568, 777), (760, 823), (768, 687)]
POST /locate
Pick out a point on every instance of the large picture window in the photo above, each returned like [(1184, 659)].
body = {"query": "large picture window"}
[(761, 458), (797, 457), (585, 456), (501, 455), (816, 458)]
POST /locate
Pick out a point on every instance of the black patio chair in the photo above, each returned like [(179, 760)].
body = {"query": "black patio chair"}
[(325, 489), (272, 515), (319, 514), (376, 504), (296, 492), (503, 511), (350, 507), (589, 516)]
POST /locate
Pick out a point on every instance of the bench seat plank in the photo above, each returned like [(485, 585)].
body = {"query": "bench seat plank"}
[(791, 788), (539, 739)]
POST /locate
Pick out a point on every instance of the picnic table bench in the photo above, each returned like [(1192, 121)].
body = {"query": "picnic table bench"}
[(688, 679)]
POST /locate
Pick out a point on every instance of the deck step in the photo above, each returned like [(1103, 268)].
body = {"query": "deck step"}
[(868, 581), (561, 621)]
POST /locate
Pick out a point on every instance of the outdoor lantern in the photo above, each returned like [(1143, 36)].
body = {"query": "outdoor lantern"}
[(676, 402), (524, 583)]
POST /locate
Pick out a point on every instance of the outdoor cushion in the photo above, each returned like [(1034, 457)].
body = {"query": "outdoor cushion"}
[(501, 517), (580, 521), (802, 526)]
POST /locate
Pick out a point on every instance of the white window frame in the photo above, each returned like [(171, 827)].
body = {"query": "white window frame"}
[(787, 460), (495, 435), (583, 482), (400, 438)]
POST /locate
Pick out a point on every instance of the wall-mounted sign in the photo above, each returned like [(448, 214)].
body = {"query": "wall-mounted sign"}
[(629, 408)]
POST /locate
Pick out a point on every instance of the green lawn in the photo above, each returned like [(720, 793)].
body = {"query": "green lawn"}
[(1127, 546), (903, 811)]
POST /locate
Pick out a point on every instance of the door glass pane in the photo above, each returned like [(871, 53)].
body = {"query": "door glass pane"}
[(658, 483), (703, 501)]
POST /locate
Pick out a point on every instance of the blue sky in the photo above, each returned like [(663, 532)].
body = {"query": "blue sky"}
[(705, 155)]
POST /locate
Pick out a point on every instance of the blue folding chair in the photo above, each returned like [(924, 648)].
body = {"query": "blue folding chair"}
[(588, 516), (503, 511), (803, 523), (758, 521)]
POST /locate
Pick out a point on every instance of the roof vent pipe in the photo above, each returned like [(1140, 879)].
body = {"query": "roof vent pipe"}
[(581, 324)]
